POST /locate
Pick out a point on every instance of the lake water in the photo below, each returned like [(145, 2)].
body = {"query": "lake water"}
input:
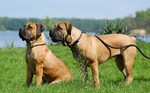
[(144, 38), (8, 38), (11, 37)]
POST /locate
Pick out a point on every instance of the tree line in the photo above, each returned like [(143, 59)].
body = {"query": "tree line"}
[(87, 25), (141, 20)]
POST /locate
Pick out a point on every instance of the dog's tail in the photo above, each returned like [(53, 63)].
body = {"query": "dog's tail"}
[(120, 47), (148, 57)]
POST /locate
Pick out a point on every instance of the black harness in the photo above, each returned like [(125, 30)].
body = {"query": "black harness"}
[(120, 47)]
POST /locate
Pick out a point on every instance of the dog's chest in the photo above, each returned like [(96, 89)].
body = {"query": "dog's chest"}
[(79, 56), (31, 60), (31, 54)]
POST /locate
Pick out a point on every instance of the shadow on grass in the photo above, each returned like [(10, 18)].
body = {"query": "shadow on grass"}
[(145, 79)]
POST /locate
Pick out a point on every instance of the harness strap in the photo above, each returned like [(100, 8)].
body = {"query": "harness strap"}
[(120, 47)]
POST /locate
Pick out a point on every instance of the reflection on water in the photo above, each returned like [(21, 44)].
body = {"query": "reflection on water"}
[(8, 38)]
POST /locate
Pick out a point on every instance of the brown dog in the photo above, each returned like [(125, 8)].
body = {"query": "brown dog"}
[(92, 51), (39, 59)]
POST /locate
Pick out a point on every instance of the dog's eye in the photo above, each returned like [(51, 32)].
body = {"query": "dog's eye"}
[(59, 28), (29, 27)]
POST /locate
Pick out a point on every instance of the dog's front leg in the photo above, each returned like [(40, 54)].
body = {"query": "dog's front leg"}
[(39, 73), (94, 68), (29, 75)]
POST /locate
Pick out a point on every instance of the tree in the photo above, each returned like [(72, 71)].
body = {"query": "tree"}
[(48, 23), (114, 29)]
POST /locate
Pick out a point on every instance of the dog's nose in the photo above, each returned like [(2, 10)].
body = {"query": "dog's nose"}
[(20, 34), (20, 29)]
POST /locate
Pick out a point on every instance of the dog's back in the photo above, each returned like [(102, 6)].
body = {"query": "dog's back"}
[(118, 39), (133, 38)]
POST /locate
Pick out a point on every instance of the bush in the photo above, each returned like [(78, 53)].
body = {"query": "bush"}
[(114, 28)]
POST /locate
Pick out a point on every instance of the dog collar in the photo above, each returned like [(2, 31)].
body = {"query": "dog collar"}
[(37, 45), (75, 42)]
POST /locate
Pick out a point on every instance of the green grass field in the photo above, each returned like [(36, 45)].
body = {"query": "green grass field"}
[(13, 74)]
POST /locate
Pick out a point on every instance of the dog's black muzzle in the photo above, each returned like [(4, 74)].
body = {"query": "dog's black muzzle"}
[(23, 35), (55, 36)]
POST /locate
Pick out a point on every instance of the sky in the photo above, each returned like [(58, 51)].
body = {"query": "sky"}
[(94, 9)]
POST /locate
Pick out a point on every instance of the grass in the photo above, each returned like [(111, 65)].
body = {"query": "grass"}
[(13, 74)]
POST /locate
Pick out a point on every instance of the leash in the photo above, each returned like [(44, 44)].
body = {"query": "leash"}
[(120, 47), (73, 49), (82, 63)]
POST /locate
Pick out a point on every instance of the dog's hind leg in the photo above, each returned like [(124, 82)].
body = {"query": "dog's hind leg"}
[(120, 64), (61, 79), (128, 56), (56, 82)]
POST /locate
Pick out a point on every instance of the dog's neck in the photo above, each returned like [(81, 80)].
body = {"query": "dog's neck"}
[(37, 42), (75, 34)]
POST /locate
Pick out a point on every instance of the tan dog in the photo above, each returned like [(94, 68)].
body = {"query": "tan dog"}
[(90, 51), (39, 59)]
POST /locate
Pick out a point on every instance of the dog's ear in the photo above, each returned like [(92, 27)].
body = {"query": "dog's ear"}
[(69, 39), (68, 27), (40, 28)]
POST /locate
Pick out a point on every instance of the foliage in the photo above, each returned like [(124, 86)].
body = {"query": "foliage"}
[(13, 74), (86, 25), (48, 24), (143, 16), (112, 28), (10, 45), (16, 23), (141, 20), (2, 28)]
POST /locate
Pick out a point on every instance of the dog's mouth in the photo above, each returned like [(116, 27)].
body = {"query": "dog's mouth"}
[(25, 36), (54, 39), (58, 40)]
